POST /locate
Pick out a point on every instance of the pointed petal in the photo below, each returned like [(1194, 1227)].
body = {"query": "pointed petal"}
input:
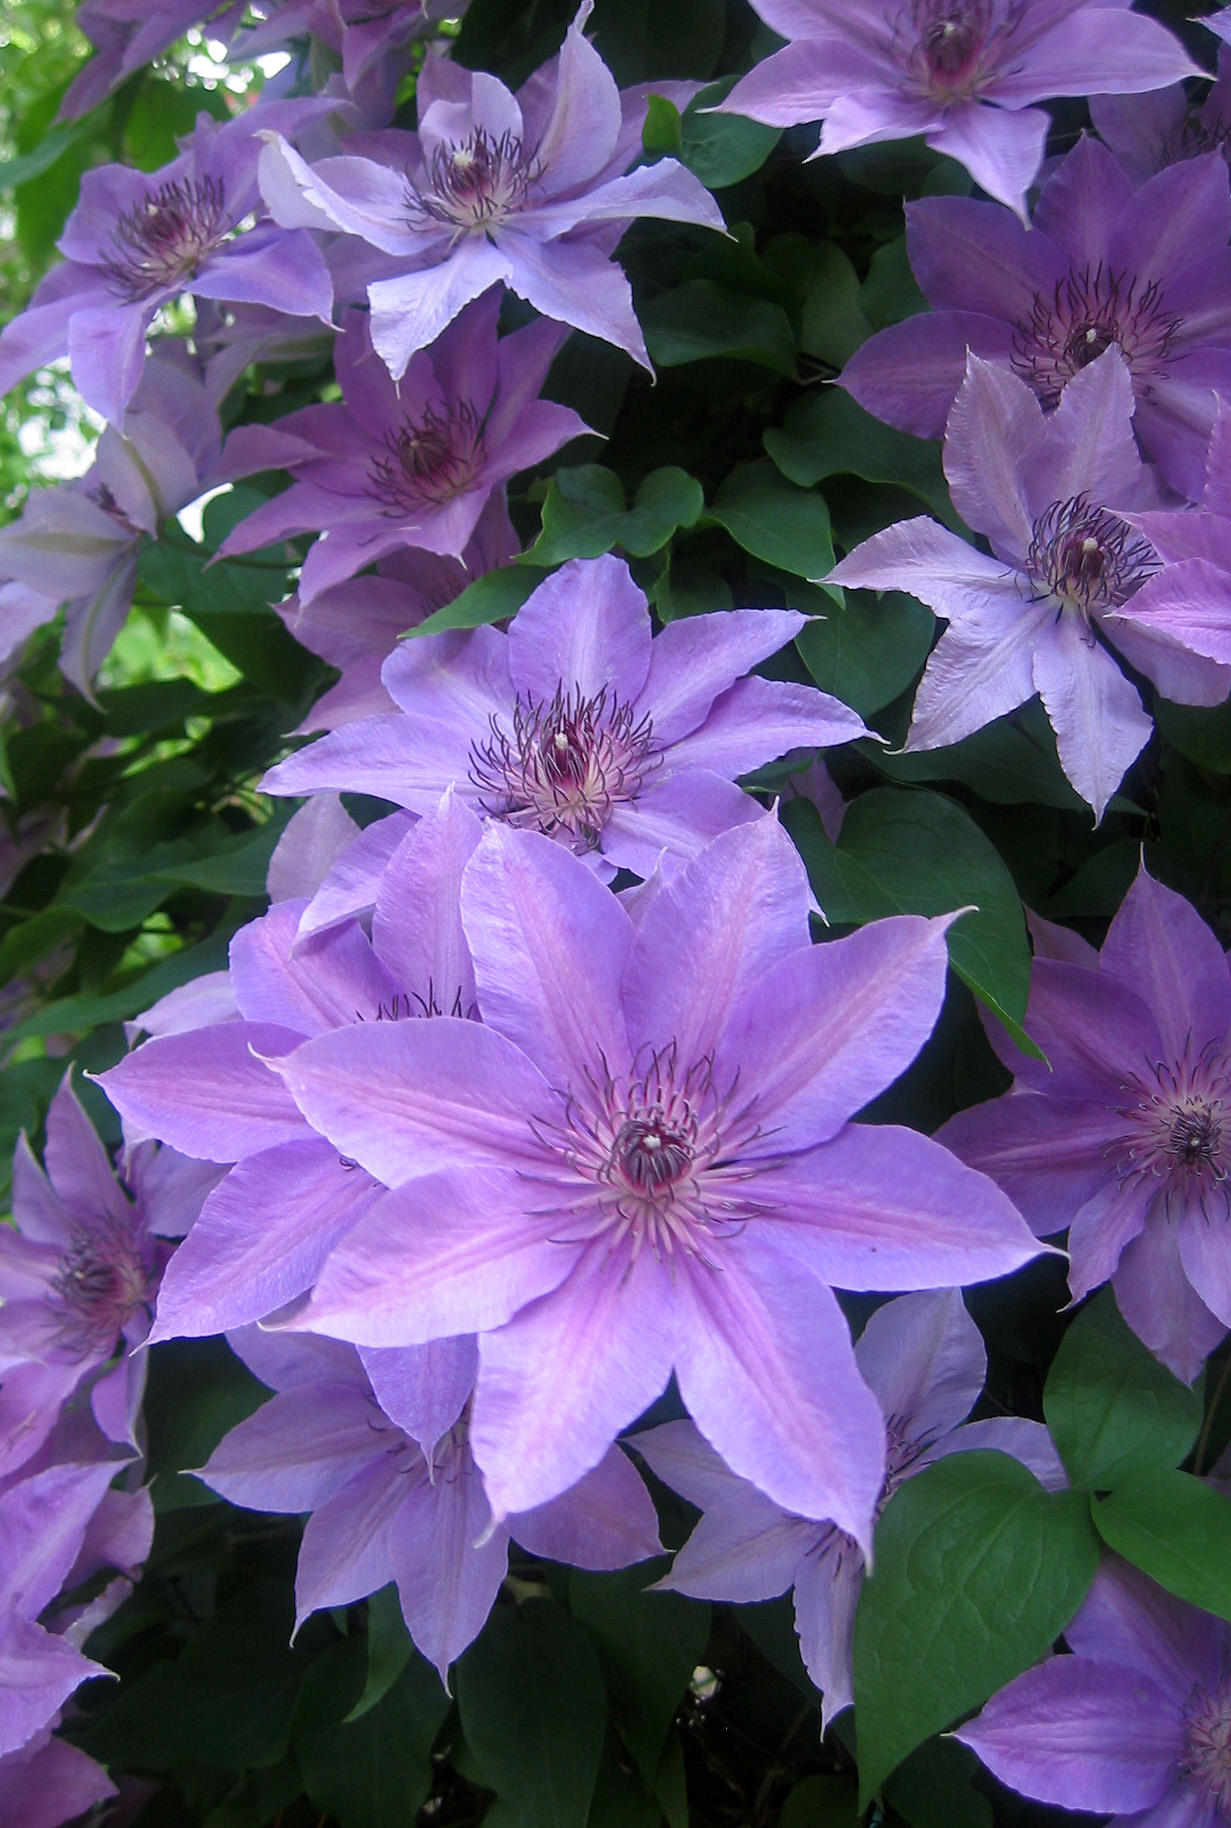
[(208, 1092), (606, 1520), (697, 658), (297, 1450), (924, 1360), (310, 987), (758, 720), (1159, 947), (827, 1589), (448, 1565), (586, 628), (416, 924), (1160, 1304), (423, 1388), (1050, 1154), (1100, 726)]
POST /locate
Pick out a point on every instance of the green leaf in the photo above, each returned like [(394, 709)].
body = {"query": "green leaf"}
[(932, 1789), (235, 866), (775, 521), (198, 1391), (660, 131), (491, 598), (977, 1572), (832, 323), (821, 1802), (585, 514), (376, 1771), (620, 1798), (701, 319), (1176, 1529), (723, 149), (867, 650), (50, 149), (178, 570), (648, 1645), (827, 433), (1114, 1411), (390, 1649), (1204, 736), (534, 1708), (905, 851), (1010, 762)]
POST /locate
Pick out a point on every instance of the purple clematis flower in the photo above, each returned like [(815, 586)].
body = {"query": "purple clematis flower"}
[(386, 1507), (1146, 268), (76, 546), (1135, 1724), (578, 724), (886, 69), (127, 35), (644, 1163), (1124, 1138), (78, 1272), (1148, 133), (57, 1528), (1062, 582), (137, 240), (1192, 591), (923, 1359), (47, 1783), (265, 1231), (405, 465), (357, 625), (371, 37), (497, 189)]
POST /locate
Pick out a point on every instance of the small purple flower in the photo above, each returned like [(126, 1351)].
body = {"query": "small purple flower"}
[(1105, 262), (886, 69), (579, 725), (137, 240), (76, 546), (923, 1359), (411, 464), (1135, 1724), (640, 1160), (1123, 1136), (522, 190), (265, 1231), (1064, 578), (1148, 133), (79, 1270), (388, 1505), (357, 625)]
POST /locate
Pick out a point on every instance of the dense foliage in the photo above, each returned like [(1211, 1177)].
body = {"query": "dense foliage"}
[(424, 843)]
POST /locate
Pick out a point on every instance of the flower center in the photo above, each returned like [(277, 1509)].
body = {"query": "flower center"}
[(1176, 1129), (566, 765), (429, 460), (659, 1152), (101, 1280), (1079, 321), (161, 242), (473, 184), (1087, 558), (1192, 139), (950, 34), (1207, 1732)]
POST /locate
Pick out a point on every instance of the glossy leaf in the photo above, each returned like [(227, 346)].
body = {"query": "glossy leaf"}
[(1176, 1529)]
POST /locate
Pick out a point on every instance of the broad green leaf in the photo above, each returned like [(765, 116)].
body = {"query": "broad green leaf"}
[(258, 1797), (648, 1645), (1204, 736), (1114, 1411), (198, 1391), (390, 1648), (832, 323), (722, 149), (1176, 1529), (821, 1802), (660, 131), (671, 1784), (1010, 762), (932, 1788), (534, 1708), (372, 1772), (775, 521), (889, 293), (491, 598), (620, 1798), (827, 433), (585, 513), (51, 147), (905, 851), (977, 1572), (700, 320), (867, 650), (233, 867)]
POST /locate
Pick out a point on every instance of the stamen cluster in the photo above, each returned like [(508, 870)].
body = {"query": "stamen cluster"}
[(1207, 1732), (474, 184), (1176, 1131), (160, 243), (101, 1280), (430, 459), (1081, 318), (566, 765), (950, 44), (1086, 557)]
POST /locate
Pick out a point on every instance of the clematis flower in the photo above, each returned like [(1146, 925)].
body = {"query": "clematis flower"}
[(47, 1783), (643, 1163), (1124, 1138), (57, 1528), (78, 1273), (127, 35), (137, 240), (884, 70), (357, 625), (923, 1359), (371, 37), (1145, 267), (76, 546), (409, 465), (496, 189), (1134, 1725), (387, 1508), (1148, 133), (265, 1231), (579, 725), (1062, 582)]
